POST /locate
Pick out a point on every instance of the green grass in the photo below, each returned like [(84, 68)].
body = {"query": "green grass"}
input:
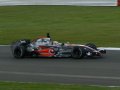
[(38, 86), (100, 25)]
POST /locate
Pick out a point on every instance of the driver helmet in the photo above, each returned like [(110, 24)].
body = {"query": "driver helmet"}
[(43, 41)]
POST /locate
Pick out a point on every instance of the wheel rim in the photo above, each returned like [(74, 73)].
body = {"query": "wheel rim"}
[(18, 52), (77, 53)]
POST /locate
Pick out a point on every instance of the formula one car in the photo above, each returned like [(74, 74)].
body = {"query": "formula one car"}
[(45, 47)]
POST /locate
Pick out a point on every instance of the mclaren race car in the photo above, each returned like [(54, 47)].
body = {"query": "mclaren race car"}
[(46, 47)]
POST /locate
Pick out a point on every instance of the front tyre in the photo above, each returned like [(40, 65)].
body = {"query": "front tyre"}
[(19, 52), (78, 52)]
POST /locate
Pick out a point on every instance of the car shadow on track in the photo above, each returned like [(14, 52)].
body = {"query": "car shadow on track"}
[(44, 59)]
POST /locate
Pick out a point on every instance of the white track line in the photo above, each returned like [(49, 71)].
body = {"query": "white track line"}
[(109, 48), (4, 45), (60, 2), (105, 86), (60, 75)]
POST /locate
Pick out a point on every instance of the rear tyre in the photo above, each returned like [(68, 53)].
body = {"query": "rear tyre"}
[(19, 52), (78, 52)]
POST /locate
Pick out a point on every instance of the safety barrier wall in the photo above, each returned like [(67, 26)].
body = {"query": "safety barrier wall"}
[(62, 2)]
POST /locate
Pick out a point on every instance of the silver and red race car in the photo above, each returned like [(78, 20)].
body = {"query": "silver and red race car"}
[(46, 47)]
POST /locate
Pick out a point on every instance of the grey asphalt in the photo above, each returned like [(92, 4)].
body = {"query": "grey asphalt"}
[(99, 71)]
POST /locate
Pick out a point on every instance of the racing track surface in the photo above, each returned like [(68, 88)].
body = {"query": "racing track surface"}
[(102, 71)]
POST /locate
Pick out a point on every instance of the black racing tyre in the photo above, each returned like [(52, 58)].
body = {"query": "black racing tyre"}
[(27, 41), (92, 45), (19, 52), (78, 52)]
